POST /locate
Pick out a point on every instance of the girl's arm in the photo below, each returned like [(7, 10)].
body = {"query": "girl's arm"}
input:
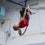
[(24, 15), (20, 18)]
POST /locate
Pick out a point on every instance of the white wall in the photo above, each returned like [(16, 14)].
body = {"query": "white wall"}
[(42, 3), (42, 20), (2, 35)]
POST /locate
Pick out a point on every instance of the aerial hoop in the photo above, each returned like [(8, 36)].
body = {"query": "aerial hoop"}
[(26, 27)]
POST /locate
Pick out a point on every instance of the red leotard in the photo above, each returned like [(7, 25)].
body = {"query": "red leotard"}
[(24, 23)]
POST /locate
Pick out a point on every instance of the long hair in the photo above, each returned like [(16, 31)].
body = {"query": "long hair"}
[(14, 27)]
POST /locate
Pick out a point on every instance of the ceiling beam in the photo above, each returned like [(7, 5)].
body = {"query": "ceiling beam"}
[(26, 2), (14, 2), (18, 3)]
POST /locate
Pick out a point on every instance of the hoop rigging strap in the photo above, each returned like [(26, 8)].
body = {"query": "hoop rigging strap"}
[(23, 3)]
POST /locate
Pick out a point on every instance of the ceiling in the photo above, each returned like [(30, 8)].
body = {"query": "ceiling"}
[(9, 5)]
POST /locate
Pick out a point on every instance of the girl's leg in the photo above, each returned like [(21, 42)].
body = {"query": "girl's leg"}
[(19, 31)]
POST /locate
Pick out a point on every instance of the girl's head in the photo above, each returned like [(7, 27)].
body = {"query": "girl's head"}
[(15, 27)]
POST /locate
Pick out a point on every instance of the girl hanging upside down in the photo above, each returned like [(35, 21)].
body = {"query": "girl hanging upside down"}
[(24, 13)]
